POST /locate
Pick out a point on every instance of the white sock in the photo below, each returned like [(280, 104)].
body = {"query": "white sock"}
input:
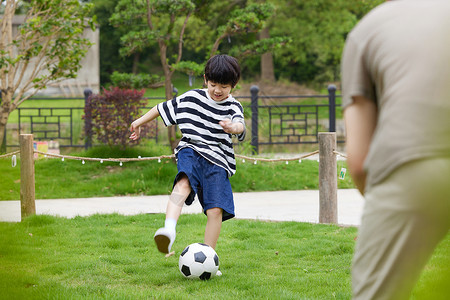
[(170, 224)]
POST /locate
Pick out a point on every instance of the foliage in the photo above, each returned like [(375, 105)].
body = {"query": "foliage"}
[(250, 19), (162, 23), (318, 29), (47, 47), (151, 22), (259, 47), (314, 33), (134, 81), (51, 32), (112, 113), (189, 67)]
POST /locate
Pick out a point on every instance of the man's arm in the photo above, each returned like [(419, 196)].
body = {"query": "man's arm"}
[(360, 123)]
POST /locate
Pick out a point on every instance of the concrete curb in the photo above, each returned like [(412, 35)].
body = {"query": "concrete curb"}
[(298, 206)]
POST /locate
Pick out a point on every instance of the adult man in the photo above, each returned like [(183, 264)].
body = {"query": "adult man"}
[(396, 100)]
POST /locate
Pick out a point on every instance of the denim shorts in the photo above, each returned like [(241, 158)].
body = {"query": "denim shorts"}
[(209, 181)]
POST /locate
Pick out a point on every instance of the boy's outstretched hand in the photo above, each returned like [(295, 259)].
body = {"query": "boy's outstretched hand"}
[(230, 127), (136, 130)]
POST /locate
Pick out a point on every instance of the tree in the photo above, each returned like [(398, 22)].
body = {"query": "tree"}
[(318, 29), (250, 19), (47, 47), (235, 28), (155, 21), (164, 22)]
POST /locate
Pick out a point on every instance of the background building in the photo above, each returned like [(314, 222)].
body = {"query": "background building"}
[(89, 74)]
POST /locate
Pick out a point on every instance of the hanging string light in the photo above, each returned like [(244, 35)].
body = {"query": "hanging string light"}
[(13, 161), (159, 158)]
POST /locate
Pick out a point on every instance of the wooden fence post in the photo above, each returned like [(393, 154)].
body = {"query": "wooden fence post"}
[(254, 142), (27, 192), (332, 107), (327, 178), (87, 119)]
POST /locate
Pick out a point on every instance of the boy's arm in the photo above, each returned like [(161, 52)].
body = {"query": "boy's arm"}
[(232, 127), (135, 126)]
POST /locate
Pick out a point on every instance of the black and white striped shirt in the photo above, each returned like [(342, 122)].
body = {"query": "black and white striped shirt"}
[(198, 117)]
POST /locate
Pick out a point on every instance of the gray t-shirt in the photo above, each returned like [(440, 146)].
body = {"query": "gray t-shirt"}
[(399, 57)]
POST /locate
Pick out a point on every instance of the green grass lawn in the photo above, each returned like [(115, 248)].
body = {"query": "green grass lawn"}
[(114, 257), (55, 178)]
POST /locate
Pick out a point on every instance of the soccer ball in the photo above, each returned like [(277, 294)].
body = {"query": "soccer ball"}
[(198, 261)]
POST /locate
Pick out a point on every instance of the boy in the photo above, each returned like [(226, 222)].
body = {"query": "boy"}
[(207, 119)]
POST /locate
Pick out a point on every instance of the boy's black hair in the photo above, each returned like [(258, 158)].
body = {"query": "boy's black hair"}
[(223, 69)]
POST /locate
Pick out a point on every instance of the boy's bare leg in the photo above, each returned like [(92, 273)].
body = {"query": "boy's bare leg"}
[(165, 236), (180, 192), (213, 226)]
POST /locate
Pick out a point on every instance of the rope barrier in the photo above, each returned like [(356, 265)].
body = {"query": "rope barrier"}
[(105, 159), (254, 159), (167, 157), (10, 154), (340, 154), (276, 159)]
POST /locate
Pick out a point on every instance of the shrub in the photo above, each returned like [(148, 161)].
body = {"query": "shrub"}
[(111, 114), (134, 81)]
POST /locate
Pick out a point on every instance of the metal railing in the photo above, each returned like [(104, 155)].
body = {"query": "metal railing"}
[(50, 123), (271, 123), (291, 123), (62, 124)]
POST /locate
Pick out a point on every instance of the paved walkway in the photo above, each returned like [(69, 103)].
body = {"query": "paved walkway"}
[(300, 206)]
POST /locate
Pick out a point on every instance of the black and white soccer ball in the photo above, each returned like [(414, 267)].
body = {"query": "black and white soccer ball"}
[(198, 261)]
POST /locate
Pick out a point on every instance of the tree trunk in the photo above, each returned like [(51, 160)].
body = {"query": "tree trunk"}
[(267, 69), (2, 137), (135, 68), (171, 129), (215, 47), (5, 110), (169, 90)]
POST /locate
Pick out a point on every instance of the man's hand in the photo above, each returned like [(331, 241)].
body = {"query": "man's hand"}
[(230, 127)]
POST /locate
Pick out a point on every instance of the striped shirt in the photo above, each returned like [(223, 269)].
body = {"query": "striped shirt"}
[(198, 117)]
